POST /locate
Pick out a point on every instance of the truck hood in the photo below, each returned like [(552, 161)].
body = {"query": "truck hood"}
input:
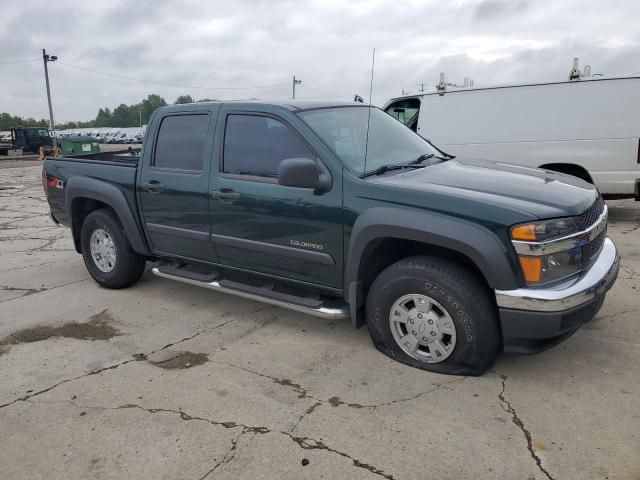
[(541, 193)]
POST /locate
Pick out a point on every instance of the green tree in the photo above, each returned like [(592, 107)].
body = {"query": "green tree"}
[(104, 118), (184, 99), (68, 125), (122, 116), (151, 104), (8, 121)]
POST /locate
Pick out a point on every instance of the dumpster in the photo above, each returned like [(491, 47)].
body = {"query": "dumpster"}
[(70, 146)]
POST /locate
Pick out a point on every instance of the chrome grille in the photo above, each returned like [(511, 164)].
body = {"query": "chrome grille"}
[(590, 217), (591, 250)]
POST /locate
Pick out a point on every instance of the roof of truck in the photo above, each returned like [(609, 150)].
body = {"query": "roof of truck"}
[(292, 105)]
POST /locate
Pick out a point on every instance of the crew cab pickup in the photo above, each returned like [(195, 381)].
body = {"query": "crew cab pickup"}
[(339, 210)]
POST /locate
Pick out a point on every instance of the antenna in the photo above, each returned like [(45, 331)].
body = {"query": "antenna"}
[(441, 86), (366, 143)]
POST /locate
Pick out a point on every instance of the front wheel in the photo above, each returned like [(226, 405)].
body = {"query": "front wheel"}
[(434, 314), (107, 252)]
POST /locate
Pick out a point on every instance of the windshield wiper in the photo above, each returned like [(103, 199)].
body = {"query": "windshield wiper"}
[(421, 158), (387, 168), (448, 155)]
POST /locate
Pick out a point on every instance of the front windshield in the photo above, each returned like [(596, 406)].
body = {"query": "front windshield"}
[(344, 129)]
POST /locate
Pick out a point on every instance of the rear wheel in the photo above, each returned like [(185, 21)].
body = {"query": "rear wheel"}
[(107, 252), (432, 313)]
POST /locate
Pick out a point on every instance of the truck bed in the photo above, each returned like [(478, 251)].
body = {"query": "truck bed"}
[(120, 157), (112, 169)]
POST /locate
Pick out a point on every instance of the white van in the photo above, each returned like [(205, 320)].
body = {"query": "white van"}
[(587, 128)]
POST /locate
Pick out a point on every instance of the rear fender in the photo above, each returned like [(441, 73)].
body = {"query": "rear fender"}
[(85, 187)]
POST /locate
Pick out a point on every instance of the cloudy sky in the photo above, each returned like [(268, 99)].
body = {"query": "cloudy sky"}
[(190, 45)]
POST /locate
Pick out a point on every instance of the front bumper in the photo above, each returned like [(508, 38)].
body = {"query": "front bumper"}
[(533, 319)]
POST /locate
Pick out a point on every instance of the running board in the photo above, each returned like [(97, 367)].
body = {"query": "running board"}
[(310, 306)]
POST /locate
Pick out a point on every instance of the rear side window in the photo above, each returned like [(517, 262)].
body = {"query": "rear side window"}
[(255, 145), (181, 141)]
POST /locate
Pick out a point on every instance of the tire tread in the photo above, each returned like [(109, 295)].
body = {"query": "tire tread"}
[(453, 278), (129, 265)]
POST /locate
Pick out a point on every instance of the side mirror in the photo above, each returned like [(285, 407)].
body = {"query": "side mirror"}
[(299, 172)]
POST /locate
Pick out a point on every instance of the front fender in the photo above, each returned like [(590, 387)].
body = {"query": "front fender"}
[(85, 187), (483, 247)]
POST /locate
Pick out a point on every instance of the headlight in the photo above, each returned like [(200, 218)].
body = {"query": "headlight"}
[(542, 231), (541, 269)]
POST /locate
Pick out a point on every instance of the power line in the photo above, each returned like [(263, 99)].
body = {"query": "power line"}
[(115, 75), (19, 61)]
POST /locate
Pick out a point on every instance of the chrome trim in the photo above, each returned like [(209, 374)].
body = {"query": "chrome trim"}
[(332, 312), (273, 249), (178, 232), (564, 243), (599, 277)]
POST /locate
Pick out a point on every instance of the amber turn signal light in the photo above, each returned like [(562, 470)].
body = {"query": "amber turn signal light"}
[(524, 232), (531, 268)]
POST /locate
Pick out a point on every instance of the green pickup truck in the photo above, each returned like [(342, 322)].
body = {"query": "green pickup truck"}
[(338, 210)]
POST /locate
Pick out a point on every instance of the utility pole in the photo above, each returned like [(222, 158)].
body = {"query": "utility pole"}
[(422, 87), (46, 59), (295, 82)]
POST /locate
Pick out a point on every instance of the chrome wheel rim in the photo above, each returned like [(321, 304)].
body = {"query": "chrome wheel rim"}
[(422, 328), (103, 250)]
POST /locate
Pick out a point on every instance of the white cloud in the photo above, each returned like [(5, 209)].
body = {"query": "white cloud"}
[(326, 43)]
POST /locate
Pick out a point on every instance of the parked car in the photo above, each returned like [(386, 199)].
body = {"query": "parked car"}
[(120, 137), (587, 128), (109, 137), (132, 137), (338, 210)]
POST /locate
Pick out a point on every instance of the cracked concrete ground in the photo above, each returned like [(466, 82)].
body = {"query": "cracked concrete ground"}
[(192, 384)]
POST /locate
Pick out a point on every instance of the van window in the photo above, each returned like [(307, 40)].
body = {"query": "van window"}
[(255, 145), (181, 141), (406, 111)]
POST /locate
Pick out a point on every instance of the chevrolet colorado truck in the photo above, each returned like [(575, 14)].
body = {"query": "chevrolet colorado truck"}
[(338, 210)]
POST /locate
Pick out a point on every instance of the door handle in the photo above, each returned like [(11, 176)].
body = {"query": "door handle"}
[(226, 195), (153, 186)]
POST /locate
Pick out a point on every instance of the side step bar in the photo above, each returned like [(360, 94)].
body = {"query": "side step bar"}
[(313, 307)]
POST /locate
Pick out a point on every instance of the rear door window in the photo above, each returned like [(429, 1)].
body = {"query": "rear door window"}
[(255, 145), (181, 141)]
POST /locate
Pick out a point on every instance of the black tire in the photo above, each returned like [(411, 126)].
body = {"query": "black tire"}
[(129, 266), (468, 303)]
